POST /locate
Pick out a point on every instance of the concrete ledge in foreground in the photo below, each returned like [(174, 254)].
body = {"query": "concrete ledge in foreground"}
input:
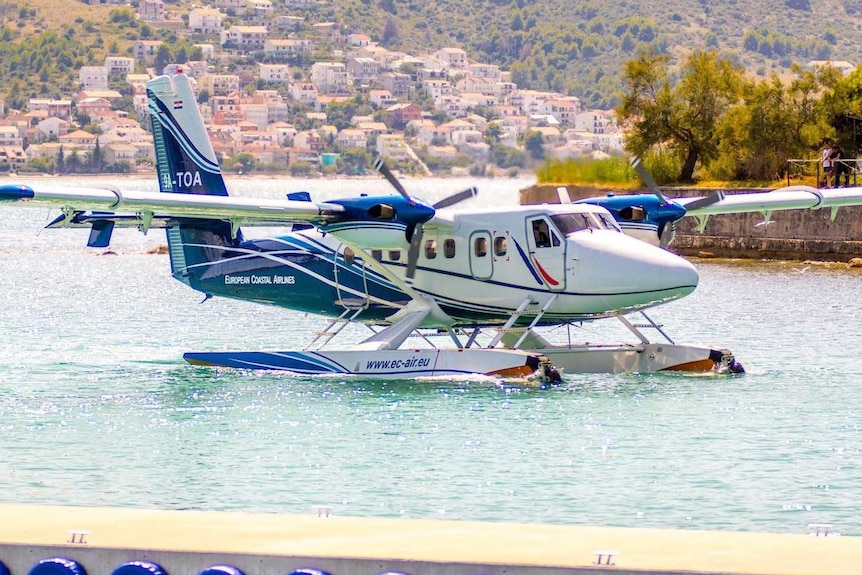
[(188, 542)]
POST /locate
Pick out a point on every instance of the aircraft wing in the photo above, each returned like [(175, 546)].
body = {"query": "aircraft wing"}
[(158, 205), (788, 198)]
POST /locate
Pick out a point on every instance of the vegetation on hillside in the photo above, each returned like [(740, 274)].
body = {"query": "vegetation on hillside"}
[(706, 89), (577, 48)]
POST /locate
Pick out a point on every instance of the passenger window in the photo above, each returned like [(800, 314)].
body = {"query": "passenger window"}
[(430, 249), (449, 248), (480, 247), (500, 246), (554, 239), (394, 255), (349, 256), (377, 255)]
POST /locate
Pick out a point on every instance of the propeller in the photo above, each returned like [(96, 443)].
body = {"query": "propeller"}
[(705, 201), (381, 167), (641, 170), (667, 230), (415, 232), (415, 235)]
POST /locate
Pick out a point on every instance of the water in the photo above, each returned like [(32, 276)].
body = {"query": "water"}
[(98, 408)]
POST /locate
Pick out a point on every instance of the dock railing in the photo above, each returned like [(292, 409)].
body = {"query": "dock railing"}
[(800, 169)]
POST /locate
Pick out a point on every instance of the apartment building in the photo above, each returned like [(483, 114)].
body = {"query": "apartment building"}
[(58, 108), (93, 78), (219, 84), (363, 70), (244, 37), (331, 77), (205, 20), (151, 10), (119, 64), (274, 72)]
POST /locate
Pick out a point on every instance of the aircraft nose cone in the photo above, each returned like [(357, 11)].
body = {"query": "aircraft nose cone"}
[(676, 272), (634, 272)]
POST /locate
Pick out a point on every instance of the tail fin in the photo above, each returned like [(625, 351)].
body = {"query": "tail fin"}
[(186, 163)]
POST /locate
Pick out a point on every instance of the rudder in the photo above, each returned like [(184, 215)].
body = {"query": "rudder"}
[(186, 163)]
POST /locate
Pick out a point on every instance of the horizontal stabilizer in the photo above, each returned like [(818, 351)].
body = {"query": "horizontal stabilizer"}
[(100, 234), (299, 196)]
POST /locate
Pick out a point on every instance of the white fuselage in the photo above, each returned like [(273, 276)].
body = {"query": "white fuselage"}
[(489, 261)]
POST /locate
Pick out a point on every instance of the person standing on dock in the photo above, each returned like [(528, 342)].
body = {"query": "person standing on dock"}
[(840, 166), (826, 162)]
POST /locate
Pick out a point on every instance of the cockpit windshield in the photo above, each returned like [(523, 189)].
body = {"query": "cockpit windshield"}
[(570, 223)]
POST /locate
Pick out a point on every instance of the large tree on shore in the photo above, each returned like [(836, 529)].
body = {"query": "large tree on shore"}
[(777, 121), (681, 117)]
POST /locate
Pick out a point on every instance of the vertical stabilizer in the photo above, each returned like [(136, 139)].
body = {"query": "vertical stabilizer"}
[(185, 159), (186, 163)]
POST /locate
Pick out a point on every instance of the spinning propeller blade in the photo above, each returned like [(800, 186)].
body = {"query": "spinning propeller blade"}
[(456, 197), (381, 167), (413, 253), (414, 234), (712, 198), (647, 179)]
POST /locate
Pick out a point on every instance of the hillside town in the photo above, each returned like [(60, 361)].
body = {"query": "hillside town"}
[(267, 96)]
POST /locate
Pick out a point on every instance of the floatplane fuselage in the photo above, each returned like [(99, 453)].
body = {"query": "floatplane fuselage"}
[(478, 268)]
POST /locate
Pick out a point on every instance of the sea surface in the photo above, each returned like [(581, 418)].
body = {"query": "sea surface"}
[(97, 406)]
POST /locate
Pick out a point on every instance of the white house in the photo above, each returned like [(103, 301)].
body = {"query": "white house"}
[(205, 20), (274, 72), (119, 64), (93, 78)]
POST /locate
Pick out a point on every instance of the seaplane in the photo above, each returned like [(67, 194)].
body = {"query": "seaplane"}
[(487, 279)]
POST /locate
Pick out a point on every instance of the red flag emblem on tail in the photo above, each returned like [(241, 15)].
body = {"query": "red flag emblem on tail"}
[(178, 104)]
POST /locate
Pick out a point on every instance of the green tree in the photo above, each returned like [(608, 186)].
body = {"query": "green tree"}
[(681, 117), (73, 163), (163, 58), (493, 133), (61, 161), (391, 33), (243, 162), (534, 144), (776, 121), (96, 158)]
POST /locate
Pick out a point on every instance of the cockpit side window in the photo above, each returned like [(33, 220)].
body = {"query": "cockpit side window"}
[(541, 234)]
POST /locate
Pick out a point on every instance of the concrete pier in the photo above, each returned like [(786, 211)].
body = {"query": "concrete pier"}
[(188, 542)]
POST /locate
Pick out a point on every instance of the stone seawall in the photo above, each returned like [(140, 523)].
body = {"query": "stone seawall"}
[(788, 234)]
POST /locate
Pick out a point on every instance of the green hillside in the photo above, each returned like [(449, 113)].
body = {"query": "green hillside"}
[(578, 47), (575, 47)]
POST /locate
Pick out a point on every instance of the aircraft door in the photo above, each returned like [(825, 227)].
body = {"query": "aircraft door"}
[(351, 282), (481, 263), (547, 247)]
